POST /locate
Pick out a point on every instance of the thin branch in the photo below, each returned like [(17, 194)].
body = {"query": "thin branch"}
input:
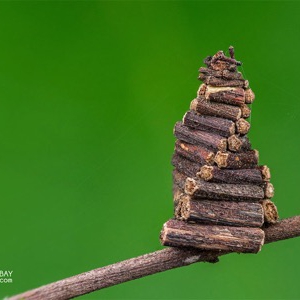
[(144, 265)]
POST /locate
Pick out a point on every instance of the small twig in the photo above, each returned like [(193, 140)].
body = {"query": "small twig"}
[(144, 265), (231, 52)]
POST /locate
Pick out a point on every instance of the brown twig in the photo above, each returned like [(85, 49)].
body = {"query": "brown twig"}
[(158, 261), (178, 233)]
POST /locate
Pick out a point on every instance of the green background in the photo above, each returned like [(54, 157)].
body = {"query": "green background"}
[(89, 93)]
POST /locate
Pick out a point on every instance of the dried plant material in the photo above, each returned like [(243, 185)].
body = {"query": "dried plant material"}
[(216, 176)]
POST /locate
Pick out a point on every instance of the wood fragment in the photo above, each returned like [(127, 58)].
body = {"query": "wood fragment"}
[(222, 191), (249, 214), (177, 233), (243, 176), (207, 60), (234, 143), (245, 111), (268, 190), (242, 160), (232, 74), (242, 126), (215, 81), (222, 66), (220, 126), (178, 200), (177, 192), (219, 65), (178, 180), (249, 96), (202, 89), (216, 109), (185, 166), (238, 143), (227, 95), (194, 153), (265, 171), (220, 56), (231, 51), (225, 74), (270, 211), (197, 137)]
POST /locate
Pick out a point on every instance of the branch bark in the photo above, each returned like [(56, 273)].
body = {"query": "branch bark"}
[(141, 266)]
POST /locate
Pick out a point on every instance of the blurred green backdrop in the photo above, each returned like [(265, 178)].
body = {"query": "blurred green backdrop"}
[(90, 92)]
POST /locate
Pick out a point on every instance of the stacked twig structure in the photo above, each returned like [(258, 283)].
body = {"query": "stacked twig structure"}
[(221, 194)]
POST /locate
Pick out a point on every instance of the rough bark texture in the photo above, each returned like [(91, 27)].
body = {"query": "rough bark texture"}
[(243, 160), (197, 137), (238, 143), (220, 56), (216, 109), (220, 62), (177, 192), (243, 176), (220, 126), (222, 191), (270, 211), (212, 237), (141, 266), (285, 229), (249, 214), (179, 179), (215, 81), (227, 95), (194, 153), (225, 74), (117, 273), (185, 166)]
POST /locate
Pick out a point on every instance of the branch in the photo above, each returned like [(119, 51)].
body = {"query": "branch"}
[(144, 265)]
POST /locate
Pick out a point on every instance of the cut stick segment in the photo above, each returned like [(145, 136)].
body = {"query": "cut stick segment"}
[(245, 111), (225, 74), (243, 176), (202, 89), (265, 171), (215, 81), (243, 160), (194, 153), (238, 143), (220, 126), (177, 192), (216, 109), (212, 237), (179, 179), (249, 96), (222, 191), (227, 95), (185, 166), (249, 214), (202, 138), (242, 126), (270, 211), (220, 62), (268, 189)]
